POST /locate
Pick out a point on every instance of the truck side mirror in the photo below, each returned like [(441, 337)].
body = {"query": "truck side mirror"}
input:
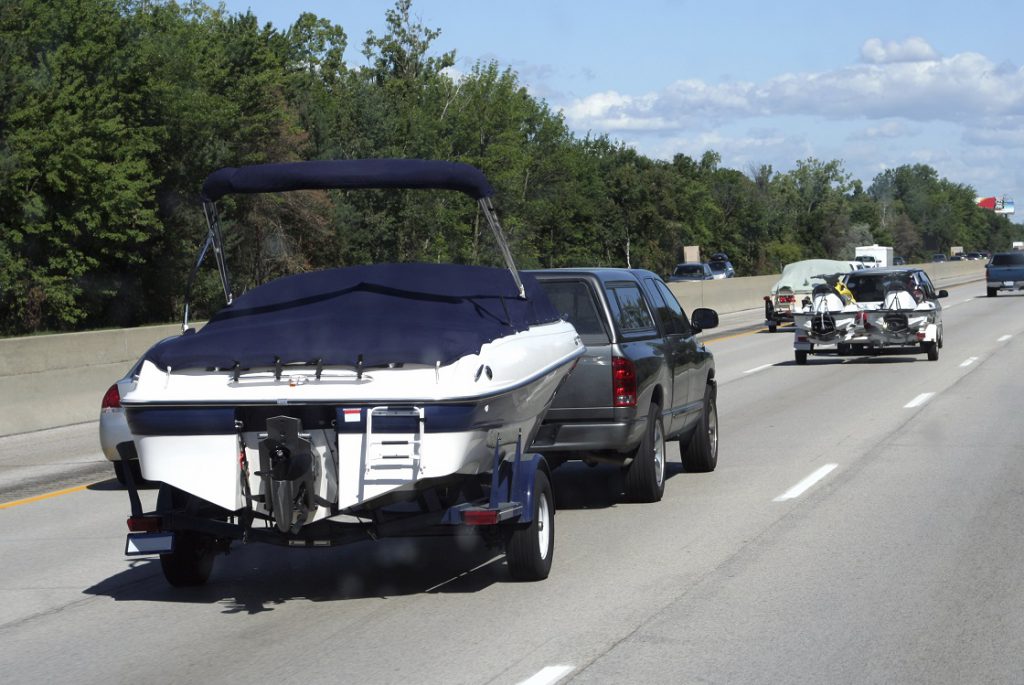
[(704, 318)]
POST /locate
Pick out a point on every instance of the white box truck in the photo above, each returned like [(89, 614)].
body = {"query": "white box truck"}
[(873, 255)]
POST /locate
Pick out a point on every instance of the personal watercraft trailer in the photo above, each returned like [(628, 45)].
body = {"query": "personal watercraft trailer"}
[(353, 403)]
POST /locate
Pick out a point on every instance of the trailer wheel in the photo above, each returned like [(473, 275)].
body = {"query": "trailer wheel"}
[(530, 548), (772, 326), (801, 356), (701, 455), (932, 349), (645, 477), (191, 561)]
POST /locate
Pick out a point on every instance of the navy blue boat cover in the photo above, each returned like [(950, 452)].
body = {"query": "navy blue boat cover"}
[(349, 173), (388, 313)]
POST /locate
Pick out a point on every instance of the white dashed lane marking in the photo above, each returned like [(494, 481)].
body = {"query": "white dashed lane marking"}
[(804, 485), (919, 400)]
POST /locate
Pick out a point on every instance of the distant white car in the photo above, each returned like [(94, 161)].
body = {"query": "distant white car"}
[(114, 427)]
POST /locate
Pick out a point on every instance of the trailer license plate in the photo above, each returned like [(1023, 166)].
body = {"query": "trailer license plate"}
[(149, 543)]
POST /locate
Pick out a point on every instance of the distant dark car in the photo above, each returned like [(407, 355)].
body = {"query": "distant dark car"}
[(691, 271), (721, 268), (975, 255), (646, 378), (958, 258), (938, 257), (898, 261)]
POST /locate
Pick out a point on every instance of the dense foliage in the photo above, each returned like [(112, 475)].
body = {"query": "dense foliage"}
[(113, 111)]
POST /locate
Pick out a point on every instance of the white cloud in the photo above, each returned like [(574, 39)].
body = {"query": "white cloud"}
[(962, 88), (912, 49)]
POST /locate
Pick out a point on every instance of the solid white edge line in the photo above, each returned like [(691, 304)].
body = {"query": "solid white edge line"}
[(1004, 338), (759, 368), (547, 675), (806, 483), (968, 361), (919, 400)]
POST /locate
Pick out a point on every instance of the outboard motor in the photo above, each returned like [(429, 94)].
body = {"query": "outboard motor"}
[(290, 473)]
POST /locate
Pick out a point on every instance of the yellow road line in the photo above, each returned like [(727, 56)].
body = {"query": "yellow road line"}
[(48, 495), (734, 335)]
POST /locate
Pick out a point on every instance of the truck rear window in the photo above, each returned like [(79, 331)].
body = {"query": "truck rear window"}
[(575, 302), (1008, 259)]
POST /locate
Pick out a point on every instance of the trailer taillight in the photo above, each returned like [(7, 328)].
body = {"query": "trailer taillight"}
[(623, 382), (144, 524), (787, 298), (480, 517), (112, 398)]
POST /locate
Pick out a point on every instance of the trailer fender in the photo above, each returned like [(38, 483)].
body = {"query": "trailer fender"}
[(517, 480)]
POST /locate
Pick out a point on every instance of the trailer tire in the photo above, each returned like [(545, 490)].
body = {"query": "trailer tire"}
[(701, 455), (645, 476), (932, 348), (801, 357), (191, 562), (530, 548), (772, 326)]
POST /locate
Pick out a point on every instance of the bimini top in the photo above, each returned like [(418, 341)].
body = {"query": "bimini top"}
[(419, 174), (380, 313)]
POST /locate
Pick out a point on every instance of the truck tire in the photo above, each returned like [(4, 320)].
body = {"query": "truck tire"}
[(191, 561), (645, 476), (701, 455), (530, 548), (991, 292), (801, 356)]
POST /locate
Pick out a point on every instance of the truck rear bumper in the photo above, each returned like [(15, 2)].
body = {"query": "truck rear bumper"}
[(605, 437)]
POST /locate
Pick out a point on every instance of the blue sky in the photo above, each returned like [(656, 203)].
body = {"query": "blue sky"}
[(874, 84)]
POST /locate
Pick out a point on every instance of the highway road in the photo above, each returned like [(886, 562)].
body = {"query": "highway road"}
[(863, 526)]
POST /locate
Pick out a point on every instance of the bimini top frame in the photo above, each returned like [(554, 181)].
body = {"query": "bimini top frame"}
[(340, 174)]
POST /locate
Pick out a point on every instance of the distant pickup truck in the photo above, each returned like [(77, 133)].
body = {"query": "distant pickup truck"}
[(1005, 271), (645, 378)]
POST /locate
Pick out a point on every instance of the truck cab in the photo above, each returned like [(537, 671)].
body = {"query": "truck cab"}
[(645, 378)]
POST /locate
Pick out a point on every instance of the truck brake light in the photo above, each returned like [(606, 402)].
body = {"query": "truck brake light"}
[(623, 382)]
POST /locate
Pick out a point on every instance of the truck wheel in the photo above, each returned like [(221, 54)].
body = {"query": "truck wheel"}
[(843, 349), (801, 356), (191, 561), (530, 548), (645, 477), (701, 455), (991, 292), (932, 349)]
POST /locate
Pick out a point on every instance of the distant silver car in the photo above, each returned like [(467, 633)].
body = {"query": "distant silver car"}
[(114, 427)]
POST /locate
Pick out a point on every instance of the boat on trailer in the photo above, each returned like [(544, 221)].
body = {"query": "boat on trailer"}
[(324, 407)]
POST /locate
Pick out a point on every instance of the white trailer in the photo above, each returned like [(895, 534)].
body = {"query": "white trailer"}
[(874, 255)]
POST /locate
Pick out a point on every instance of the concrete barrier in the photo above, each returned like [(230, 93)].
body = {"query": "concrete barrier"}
[(57, 380)]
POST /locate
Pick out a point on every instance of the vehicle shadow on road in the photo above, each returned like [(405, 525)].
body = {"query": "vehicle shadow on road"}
[(256, 578), (578, 486)]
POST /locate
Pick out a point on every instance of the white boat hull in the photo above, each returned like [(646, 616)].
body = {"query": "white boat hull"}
[(373, 434)]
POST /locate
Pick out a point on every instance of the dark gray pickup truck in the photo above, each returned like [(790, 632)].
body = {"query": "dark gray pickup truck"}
[(1005, 271), (645, 379)]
